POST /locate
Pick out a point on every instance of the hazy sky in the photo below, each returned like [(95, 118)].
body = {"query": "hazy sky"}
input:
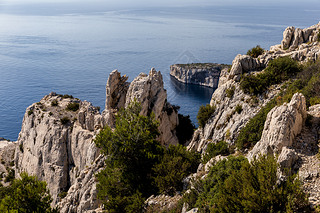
[(171, 2)]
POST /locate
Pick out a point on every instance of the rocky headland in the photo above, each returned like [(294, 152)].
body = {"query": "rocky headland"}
[(205, 74), (56, 139)]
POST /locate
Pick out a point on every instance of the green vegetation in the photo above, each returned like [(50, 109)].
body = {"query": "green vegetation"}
[(318, 36), (73, 106), (255, 51), (176, 164), (65, 96), (54, 103), (65, 120), (30, 112), (214, 149), (185, 129), (25, 195), (278, 70), (137, 162), (230, 92), (235, 185), (251, 133), (238, 109), (204, 114)]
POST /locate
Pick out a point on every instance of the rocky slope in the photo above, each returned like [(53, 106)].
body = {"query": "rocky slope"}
[(225, 124), (200, 74)]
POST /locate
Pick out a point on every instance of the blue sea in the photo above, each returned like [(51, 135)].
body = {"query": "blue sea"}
[(72, 50)]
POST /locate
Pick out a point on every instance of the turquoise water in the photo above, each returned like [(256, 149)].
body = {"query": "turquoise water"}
[(72, 51)]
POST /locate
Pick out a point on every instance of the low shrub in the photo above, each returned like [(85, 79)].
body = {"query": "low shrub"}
[(30, 112), (235, 185), (176, 164), (238, 109), (255, 51), (64, 120), (214, 149), (204, 114), (54, 103), (230, 92), (73, 106), (278, 70)]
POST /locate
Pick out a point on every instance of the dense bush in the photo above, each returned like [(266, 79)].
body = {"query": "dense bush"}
[(132, 151), (185, 129), (251, 133), (176, 164), (230, 92), (25, 195), (255, 51), (214, 149), (73, 106), (278, 70), (238, 109), (235, 185), (65, 120), (137, 165), (204, 114), (54, 103)]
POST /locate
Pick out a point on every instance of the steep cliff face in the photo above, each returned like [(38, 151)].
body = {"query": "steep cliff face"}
[(200, 74), (55, 143)]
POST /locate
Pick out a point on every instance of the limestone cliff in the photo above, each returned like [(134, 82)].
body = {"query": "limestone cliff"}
[(55, 143), (56, 139), (206, 74)]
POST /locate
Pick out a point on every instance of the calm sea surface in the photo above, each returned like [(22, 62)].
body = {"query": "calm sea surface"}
[(73, 51)]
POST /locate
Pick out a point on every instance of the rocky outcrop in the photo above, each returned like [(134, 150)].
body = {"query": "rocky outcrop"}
[(55, 143), (282, 125), (149, 91), (200, 74), (293, 37)]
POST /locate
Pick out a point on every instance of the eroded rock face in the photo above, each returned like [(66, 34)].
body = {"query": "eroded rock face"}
[(293, 37), (200, 74), (55, 144), (7, 152), (282, 125), (149, 91)]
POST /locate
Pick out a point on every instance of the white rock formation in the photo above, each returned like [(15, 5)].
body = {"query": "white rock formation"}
[(282, 125), (149, 91), (53, 151)]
